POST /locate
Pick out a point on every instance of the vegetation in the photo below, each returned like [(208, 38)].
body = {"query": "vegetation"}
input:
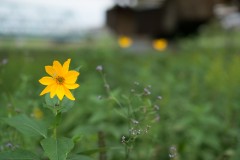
[(197, 117)]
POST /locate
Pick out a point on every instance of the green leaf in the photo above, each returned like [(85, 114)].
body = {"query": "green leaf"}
[(77, 138), (27, 126), (55, 104), (57, 149), (18, 154), (51, 102), (93, 151), (66, 104), (79, 157), (78, 68)]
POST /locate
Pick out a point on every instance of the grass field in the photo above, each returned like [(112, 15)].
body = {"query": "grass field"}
[(197, 77)]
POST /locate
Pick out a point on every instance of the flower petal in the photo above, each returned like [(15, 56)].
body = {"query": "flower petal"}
[(57, 72), (58, 67), (66, 66), (50, 70), (71, 86), (71, 77), (53, 90), (68, 94), (46, 80), (60, 92), (46, 90)]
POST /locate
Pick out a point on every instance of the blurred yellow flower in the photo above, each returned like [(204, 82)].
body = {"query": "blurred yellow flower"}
[(160, 44), (37, 113), (124, 41), (61, 80)]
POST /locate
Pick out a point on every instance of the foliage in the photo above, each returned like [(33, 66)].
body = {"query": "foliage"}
[(198, 80)]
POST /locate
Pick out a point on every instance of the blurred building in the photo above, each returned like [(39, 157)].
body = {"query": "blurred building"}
[(160, 18)]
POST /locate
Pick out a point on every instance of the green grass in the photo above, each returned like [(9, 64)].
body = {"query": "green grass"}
[(198, 80)]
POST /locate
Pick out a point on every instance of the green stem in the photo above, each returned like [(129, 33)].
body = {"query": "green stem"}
[(127, 152), (55, 126), (106, 85), (58, 116), (55, 132)]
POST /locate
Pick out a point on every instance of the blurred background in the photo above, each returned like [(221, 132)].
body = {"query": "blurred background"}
[(186, 51)]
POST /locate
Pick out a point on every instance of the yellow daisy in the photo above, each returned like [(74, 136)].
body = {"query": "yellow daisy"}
[(61, 80), (124, 41), (160, 44), (37, 113)]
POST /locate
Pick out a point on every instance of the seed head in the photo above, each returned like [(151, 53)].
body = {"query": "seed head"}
[(107, 86), (135, 121), (99, 68), (136, 83), (123, 139), (159, 97), (146, 91), (4, 61), (132, 90), (156, 107), (172, 152)]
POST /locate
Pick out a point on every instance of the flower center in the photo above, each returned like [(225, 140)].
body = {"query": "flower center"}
[(60, 80)]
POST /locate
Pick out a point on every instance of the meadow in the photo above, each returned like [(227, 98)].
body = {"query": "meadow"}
[(182, 103)]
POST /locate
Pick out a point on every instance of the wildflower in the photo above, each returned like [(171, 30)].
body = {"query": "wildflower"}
[(135, 121), (132, 90), (99, 68), (61, 80), (124, 41), (157, 118), (146, 91), (136, 83), (107, 86), (173, 152), (4, 61), (159, 97), (99, 97), (9, 145), (160, 44), (156, 107), (123, 139), (37, 113)]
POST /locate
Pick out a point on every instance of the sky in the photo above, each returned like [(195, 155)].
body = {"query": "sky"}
[(88, 13)]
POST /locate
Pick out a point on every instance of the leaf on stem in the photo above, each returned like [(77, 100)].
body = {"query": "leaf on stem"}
[(57, 149), (18, 154), (27, 126)]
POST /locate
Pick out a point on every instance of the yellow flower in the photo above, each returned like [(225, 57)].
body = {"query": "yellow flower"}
[(124, 41), (160, 44), (37, 113), (61, 80)]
